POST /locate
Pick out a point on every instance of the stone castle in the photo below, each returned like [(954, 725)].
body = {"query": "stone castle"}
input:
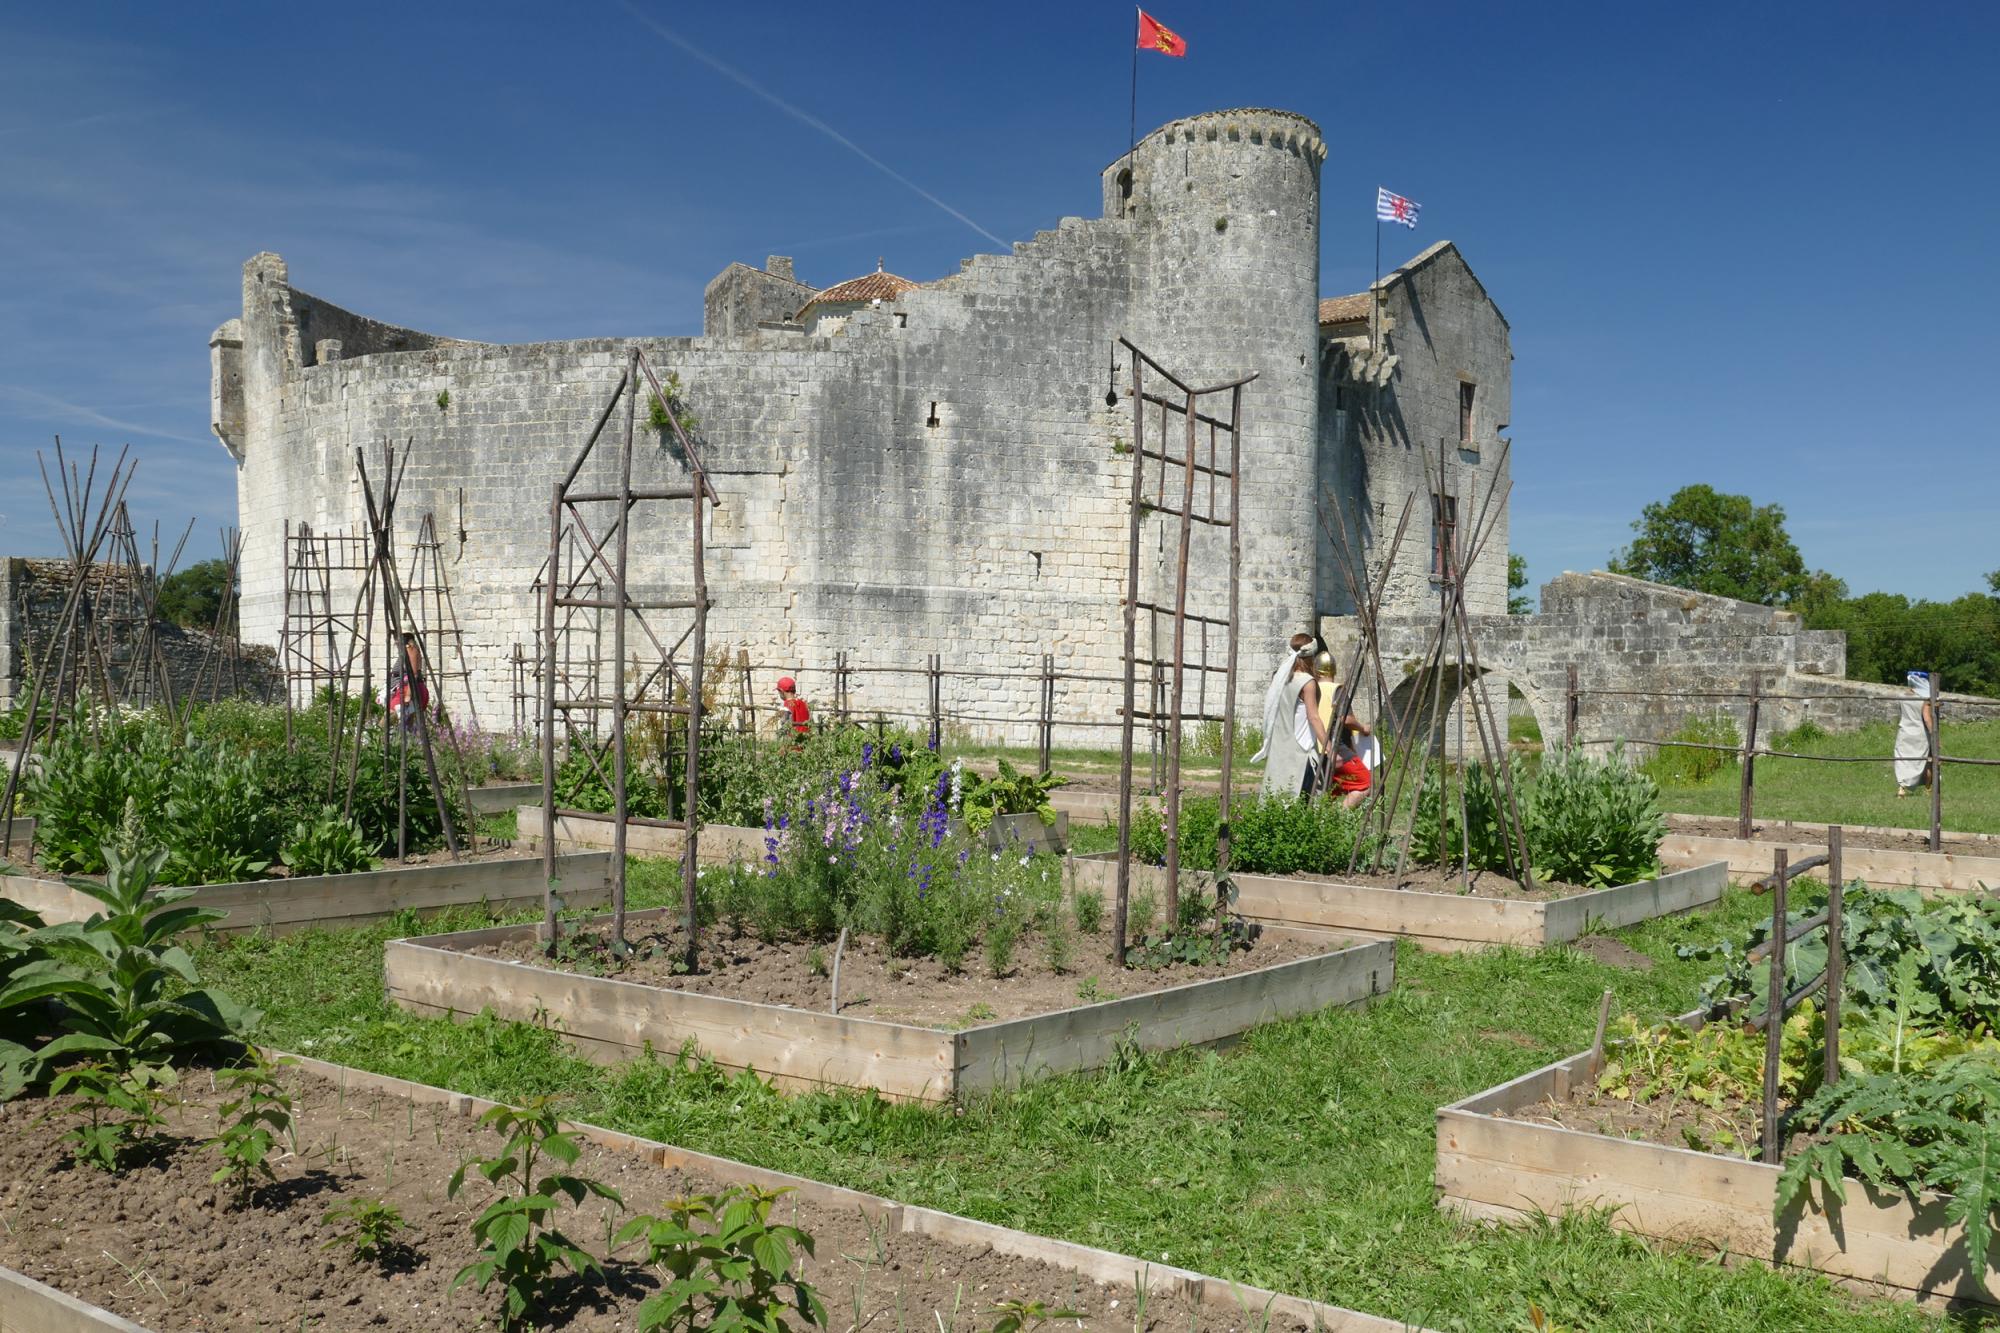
[(912, 468)]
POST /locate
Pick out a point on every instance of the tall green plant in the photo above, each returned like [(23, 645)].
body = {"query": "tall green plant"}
[(726, 1266), (127, 993), (1593, 820)]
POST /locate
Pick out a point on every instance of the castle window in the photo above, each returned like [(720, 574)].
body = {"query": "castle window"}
[(1467, 391), (1444, 532), (932, 420)]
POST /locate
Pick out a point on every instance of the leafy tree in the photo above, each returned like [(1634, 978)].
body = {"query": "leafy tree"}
[(1889, 635), (191, 597), (1518, 602), (1717, 543)]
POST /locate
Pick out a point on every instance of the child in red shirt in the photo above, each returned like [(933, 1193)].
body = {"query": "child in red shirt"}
[(788, 695)]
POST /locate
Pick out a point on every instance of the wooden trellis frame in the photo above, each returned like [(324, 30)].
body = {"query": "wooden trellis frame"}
[(1223, 473), (569, 696)]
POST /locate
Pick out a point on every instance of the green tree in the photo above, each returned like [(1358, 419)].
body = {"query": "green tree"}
[(1518, 602), (192, 597), (1717, 543), (1889, 635)]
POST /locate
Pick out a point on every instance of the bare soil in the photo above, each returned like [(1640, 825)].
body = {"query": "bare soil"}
[(877, 984), (1613, 953), (160, 1245), (1888, 840)]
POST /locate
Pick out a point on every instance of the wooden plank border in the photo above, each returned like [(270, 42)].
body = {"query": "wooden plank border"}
[(284, 905), (720, 844), (1101, 1266), (610, 1020), (1929, 872), (34, 1307), (1443, 921), (1493, 1167)]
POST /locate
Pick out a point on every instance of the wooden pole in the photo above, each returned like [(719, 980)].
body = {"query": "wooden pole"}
[(1836, 956), (1597, 1042), (1749, 757), (1048, 708), (1123, 888), (691, 800), (621, 596), (1937, 769), (549, 717), (1223, 836), (1570, 702), (1774, 1012), (1173, 818)]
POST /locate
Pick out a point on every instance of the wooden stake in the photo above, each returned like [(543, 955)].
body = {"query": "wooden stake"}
[(1836, 956), (1774, 1010), (1749, 757)]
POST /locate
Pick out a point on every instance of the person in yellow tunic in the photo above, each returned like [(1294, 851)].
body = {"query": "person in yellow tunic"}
[(1347, 773)]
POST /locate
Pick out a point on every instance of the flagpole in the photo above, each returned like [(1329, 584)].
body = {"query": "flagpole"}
[(1374, 298), (1133, 145)]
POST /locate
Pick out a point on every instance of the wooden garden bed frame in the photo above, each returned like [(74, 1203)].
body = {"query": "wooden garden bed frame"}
[(1501, 1169), (1929, 872), (334, 901), (1443, 921), (612, 1020), (27, 1304)]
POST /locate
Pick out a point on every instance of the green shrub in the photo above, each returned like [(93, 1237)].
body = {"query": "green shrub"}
[(217, 823), (331, 844), (1593, 820), (1271, 835), (1673, 766), (78, 789), (1805, 733)]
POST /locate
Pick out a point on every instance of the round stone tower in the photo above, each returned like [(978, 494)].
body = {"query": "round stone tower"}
[(1224, 210)]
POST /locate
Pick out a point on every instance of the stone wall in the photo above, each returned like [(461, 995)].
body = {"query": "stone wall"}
[(32, 596), (942, 475), (740, 298), (1635, 644), (1380, 445)]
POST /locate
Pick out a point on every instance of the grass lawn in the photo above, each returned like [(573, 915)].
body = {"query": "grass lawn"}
[(1859, 793), (1300, 1160)]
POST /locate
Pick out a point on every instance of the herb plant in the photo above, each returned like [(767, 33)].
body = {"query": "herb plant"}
[(517, 1243), (331, 844), (727, 1266)]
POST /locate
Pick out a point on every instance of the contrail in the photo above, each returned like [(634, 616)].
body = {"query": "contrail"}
[(743, 80)]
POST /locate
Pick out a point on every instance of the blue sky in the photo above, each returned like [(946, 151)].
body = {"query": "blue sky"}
[(1744, 245)]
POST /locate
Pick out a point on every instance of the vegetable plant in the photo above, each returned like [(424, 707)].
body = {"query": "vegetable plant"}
[(331, 844), (128, 994), (518, 1244), (1009, 793), (255, 1113), (120, 1110), (726, 1266)]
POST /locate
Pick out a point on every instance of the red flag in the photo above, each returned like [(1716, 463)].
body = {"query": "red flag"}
[(1156, 36)]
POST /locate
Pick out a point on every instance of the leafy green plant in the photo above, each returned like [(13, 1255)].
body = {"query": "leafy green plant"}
[(368, 1227), (128, 994), (1017, 1316), (80, 787), (1593, 820), (256, 1111), (120, 1109), (1937, 1131), (1087, 906), (517, 1244), (332, 844), (1010, 792), (727, 1266), (1270, 835)]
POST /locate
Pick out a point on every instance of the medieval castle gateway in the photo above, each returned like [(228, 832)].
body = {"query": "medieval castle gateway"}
[(915, 468)]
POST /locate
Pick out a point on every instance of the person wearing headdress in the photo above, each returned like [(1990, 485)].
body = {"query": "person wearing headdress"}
[(798, 716), (1913, 732), (1348, 775), (1274, 698), (1296, 742)]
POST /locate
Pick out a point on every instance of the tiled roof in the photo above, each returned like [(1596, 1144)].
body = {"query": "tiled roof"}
[(876, 286), (1343, 309)]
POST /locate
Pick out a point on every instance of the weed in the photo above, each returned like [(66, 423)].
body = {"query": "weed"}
[(444, 400), (1091, 992), (1026, 1316), (1087, 906), (1058, 949)]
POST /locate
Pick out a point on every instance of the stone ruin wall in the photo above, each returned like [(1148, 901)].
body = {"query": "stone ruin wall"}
[(1645, 642), (941, 476), (32, 596)]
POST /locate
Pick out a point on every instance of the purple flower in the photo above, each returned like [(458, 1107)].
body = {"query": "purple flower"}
[(895, 753), (867, 754)]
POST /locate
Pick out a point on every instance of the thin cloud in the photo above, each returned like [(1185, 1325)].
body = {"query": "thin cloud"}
[(744, 81), (47, 407)]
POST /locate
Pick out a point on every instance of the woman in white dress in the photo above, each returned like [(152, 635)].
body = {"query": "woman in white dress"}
[(1913, 732), (1300, 738)]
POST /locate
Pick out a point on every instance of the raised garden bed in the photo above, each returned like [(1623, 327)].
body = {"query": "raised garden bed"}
[(501, 882), (360, 1136), (1439, 917), (719, 844), (499, 797), (1501, 1157), (615, 1019), (1886, 858)]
